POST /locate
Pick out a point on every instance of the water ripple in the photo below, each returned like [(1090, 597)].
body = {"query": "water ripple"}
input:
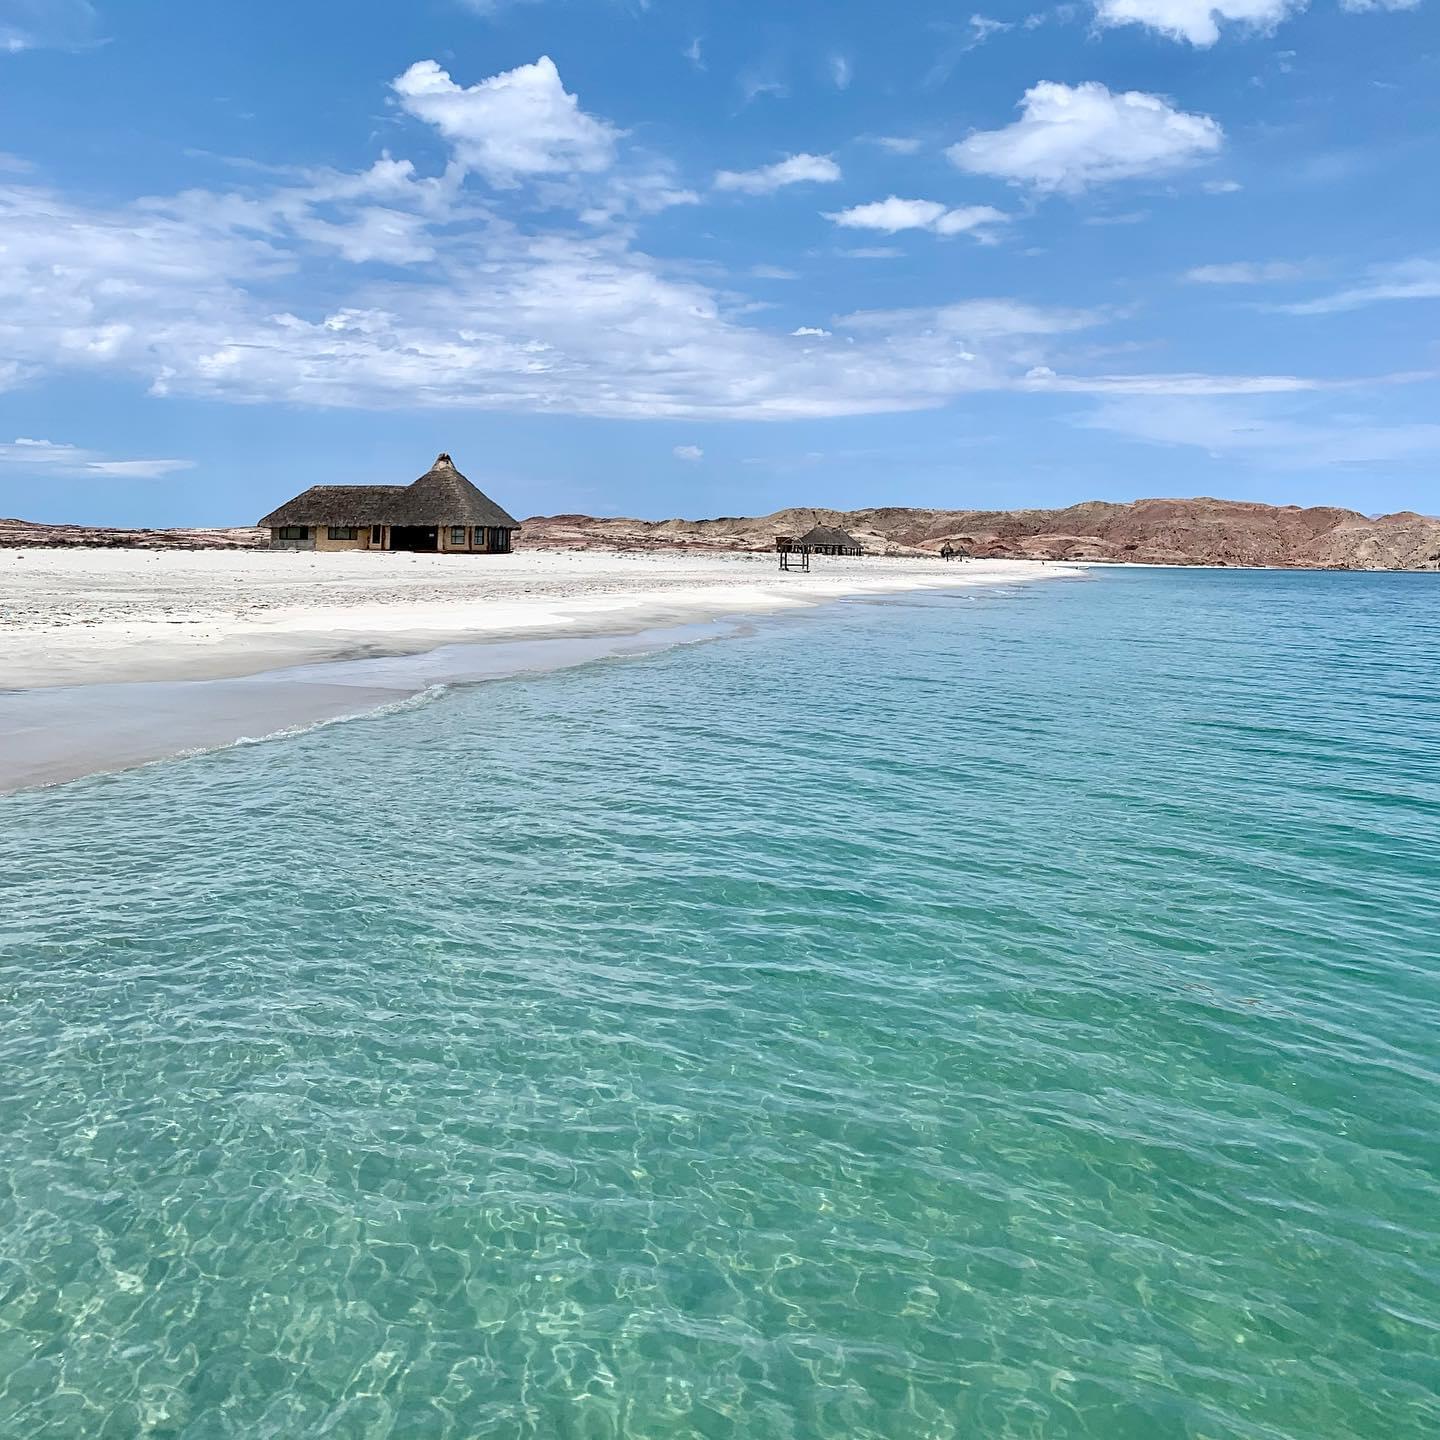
[(1005, 1016)]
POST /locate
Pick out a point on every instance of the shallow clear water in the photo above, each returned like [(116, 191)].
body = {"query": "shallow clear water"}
[(1009, 1015)]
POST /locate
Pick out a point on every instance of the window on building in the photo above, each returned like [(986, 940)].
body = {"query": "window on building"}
[(342, 532), (294, 532), (457, 534), (377, 534)]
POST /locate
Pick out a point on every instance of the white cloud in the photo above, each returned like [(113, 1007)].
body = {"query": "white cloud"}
[(890, 215), (49, 457), (872, 252), (693, 52), (385, 288), (1409, 280), (1221, 187), (1363, 7), (1070, 137), (181, 293), (793, 170), (840, 72), (519, 123), (893, 214), (1197, 21), (689, 453), (813, 331), (1244, 272)]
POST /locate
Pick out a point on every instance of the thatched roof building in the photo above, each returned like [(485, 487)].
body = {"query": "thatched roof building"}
[(829, 540), (441, 511)]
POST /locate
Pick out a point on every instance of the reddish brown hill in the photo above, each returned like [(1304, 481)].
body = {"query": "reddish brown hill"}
[(1161, 532), (1165, 532)]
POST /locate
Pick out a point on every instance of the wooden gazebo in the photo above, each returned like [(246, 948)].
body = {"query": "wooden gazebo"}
[(829, 540)]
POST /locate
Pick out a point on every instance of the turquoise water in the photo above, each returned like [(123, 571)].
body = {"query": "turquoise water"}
[(1004, 1015)]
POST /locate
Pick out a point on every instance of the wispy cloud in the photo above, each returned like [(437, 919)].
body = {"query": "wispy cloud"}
[(48, 457), (959, 41), (1409, 280), (1245, 272), (898, 144), (1042, 377), (689, 453), (46, 25), (1254, 431), (758, 79)]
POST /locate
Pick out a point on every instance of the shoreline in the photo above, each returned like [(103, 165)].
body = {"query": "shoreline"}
[(204, 693), (77, 617), (53, 735)]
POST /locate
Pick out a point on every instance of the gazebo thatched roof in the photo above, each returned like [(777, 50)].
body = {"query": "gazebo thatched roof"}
[(441, 496), (830, 535)]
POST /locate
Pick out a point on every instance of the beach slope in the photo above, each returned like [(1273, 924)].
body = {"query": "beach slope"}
[(84, 617)]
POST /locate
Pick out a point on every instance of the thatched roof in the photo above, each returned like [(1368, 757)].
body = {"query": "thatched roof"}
[(828, 535), (441, 496)]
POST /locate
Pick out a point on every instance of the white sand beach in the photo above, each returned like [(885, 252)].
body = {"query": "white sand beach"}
[(115, 658), (87, 617)]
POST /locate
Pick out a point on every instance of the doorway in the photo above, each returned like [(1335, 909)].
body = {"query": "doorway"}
[(414, 537)]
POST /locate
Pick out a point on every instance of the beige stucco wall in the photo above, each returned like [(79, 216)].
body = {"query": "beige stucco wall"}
[(470, 547), (324, 542), (319, 539)]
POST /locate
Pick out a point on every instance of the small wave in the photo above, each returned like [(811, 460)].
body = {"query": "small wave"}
[(417, 701)]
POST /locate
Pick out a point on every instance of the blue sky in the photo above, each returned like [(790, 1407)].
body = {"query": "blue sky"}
[(692, 257)]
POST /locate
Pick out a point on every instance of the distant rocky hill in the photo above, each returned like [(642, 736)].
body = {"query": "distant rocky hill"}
[(28, 533), (1157, 532)]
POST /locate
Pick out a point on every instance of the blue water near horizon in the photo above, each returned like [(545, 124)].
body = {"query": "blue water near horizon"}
[(1003, 1014)]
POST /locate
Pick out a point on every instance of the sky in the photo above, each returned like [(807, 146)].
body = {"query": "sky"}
[(714, 257)]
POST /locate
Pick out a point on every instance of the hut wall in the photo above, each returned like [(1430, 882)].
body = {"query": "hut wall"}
[(449, 547), (477, 539), (324, 542)]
